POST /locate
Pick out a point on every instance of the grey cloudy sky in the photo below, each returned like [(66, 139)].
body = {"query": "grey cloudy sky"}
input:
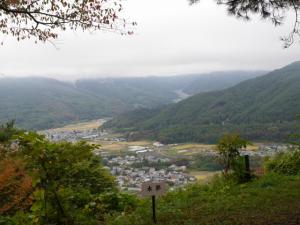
[(171, 38)]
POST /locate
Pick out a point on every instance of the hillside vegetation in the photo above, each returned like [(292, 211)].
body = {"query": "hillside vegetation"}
[(39, 103), (55, 183), (270, 200), (263, 108)]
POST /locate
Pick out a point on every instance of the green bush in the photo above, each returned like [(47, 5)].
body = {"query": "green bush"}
[(5, 221), (68, 184), (285, 163), (206, 163)]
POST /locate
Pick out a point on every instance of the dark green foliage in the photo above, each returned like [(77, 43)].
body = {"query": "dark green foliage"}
[(206, 163), (67, 178), (240, 173), (68, 184), (262, 108), (37, 103), (6, 221), (7, 131), (114, 202)]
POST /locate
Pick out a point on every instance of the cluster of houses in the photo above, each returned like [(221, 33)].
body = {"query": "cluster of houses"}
[(267, 150), (78, 135), (130, 177), (73, 135)]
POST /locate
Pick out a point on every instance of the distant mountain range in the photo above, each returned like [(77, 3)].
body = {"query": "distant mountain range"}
[(262, 108), (39, 103)]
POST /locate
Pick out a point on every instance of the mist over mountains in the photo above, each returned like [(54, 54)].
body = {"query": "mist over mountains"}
[(39, 103), (262, 108)]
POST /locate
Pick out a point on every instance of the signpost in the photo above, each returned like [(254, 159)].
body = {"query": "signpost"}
[(153, 189)]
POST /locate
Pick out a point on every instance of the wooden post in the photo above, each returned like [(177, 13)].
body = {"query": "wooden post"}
[(153, 189), (153, 209), (247, 165)]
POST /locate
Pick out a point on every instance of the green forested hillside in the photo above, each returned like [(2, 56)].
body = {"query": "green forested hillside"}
[(132, 93), (38, 103), (262, 108)]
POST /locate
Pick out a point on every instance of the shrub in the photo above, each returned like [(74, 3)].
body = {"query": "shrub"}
[(285, 163)]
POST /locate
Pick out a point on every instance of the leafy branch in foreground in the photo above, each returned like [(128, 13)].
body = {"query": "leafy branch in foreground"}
[(41, 19)]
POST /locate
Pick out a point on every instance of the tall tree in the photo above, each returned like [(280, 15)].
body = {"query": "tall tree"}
[(229, 149), (67, 179)]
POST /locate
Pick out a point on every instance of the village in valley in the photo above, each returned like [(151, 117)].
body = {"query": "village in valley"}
[(133, 163), (130, 177), (131, 166)]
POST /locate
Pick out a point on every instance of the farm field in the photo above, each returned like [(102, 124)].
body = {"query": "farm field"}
[(88, 125), (120, 147)]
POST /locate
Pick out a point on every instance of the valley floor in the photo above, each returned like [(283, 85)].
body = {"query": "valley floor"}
[(136, 162)]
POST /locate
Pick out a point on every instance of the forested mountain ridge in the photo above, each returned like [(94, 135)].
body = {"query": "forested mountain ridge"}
[(263, 108), (39, 103)]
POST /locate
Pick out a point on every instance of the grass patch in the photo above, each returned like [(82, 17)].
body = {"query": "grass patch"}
[(203, 176), (270, 200)]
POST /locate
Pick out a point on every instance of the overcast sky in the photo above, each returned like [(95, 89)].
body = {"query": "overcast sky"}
[(171, 38)]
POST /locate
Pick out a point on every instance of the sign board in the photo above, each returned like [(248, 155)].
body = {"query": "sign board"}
[(153, 188)]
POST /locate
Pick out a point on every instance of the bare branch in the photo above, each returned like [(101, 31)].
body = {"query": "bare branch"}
[(274, 10)]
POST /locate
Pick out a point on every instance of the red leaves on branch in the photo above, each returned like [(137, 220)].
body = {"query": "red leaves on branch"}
[(15, 187)]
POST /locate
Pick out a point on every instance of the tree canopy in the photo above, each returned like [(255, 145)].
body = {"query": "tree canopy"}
[(229, 148), (43, 182), (42, 19)]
